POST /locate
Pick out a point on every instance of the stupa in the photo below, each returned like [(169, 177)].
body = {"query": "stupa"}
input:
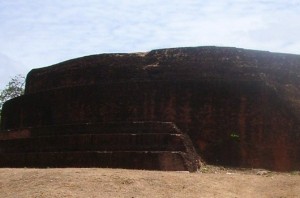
[(158, 110)]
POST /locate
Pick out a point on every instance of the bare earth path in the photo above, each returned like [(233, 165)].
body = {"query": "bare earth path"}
[(209, 182)]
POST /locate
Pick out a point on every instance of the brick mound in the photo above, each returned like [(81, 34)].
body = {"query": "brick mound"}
[(240, 108), (135, 145)]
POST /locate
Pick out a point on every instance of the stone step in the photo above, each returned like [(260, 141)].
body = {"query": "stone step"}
[(160, 160), (138, 145), (96, 142), (93, 128), (112, 127)]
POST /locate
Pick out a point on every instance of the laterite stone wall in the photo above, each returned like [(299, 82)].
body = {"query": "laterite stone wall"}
[(240, 107)]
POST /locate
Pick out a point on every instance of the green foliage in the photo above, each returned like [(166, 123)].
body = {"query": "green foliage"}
[(234, 135), (14, 88)]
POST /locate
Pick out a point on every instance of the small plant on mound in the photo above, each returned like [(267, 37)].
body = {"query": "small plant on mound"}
[(234, 136)]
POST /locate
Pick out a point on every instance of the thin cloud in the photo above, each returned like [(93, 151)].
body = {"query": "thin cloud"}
[(8, 69), (41, 33)]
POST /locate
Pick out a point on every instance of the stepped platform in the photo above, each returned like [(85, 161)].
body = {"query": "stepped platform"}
[(237, 107), (136, 145), (144, 160)]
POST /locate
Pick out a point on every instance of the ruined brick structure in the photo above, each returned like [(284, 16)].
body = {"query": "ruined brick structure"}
[(239, 107)]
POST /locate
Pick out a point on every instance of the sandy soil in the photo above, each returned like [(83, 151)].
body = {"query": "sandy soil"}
[(210, 181)]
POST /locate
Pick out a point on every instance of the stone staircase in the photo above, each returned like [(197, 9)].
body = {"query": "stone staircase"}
[(132, 145)]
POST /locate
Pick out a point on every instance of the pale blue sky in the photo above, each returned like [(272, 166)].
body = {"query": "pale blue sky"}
[(37, 33)]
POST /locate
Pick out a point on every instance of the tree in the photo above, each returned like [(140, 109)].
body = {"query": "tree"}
[(14, 88)]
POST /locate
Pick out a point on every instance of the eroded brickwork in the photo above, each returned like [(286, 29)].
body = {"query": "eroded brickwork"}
[(240, 107)]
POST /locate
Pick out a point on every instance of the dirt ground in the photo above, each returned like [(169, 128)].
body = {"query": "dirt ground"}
[(210, 181)]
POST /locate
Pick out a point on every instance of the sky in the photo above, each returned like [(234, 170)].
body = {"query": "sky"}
[(39, 33)]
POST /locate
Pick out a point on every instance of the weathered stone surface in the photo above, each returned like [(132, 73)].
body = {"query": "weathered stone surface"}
[(140, 145), (97, 142), (168, 161), (240, 107)]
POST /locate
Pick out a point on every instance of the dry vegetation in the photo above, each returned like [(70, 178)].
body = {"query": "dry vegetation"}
[(210, 181)]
